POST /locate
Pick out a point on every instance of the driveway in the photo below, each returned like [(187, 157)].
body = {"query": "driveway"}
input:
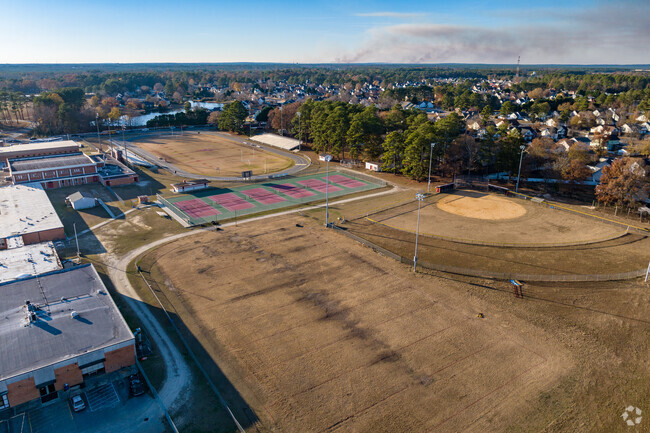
[(109, 408)]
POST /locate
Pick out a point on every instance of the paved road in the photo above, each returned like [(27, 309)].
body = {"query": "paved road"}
[(300, 162)]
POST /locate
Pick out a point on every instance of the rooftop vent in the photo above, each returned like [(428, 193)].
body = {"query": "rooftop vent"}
[(74, 314)]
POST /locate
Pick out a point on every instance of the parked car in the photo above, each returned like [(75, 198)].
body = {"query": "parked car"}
[(77, 403), (136, 387)]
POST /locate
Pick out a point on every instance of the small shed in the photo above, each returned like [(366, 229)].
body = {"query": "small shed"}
[(80, 200), (190, 185), (373, 166)]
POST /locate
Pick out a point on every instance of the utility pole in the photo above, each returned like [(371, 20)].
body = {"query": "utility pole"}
[(124, 143), (299, 131), (430, 159), (517, 76), (328, 158), (98, 136), (74, 226), (419, 197), (521, 157)]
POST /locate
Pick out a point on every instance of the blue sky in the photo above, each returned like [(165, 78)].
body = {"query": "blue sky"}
[(466, 31)]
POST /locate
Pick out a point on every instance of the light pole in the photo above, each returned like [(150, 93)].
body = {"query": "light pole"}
[(98, 137), (419, 197), (430, 159), (124, 143), (328, 158), (521, 157), (299, 131)]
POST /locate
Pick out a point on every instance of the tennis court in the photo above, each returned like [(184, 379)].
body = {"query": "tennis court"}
[(220, 204)]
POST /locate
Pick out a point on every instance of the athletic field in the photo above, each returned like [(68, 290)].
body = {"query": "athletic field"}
[(216, 204), (213, 155)]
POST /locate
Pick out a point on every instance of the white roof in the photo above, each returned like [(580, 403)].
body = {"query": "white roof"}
[(285, 143), (25, 208), (28, 260), (38, 146)]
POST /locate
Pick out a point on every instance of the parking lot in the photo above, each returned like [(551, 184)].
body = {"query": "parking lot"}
[(109, 408)]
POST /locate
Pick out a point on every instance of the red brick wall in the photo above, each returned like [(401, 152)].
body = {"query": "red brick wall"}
[(91, 169), (22, 391), (70, 374), (119, 358), (123, 180), (36, 176), (44, 236)]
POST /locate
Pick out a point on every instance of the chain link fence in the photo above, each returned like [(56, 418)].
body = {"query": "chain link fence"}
[(494, 275)]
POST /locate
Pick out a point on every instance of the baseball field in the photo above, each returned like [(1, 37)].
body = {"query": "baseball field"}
[(212, 155)]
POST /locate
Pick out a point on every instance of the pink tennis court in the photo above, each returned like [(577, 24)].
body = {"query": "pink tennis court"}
[(318, 185), (292, 190), (197, 208), (231, 201), (346, 181), (263, 196), (204, 206)]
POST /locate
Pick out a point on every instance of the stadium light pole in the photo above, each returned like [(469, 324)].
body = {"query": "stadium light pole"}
[(430, 159), (98, 136), (419, 197), (299, 131), (124, 143), (328, 158), (521, 157)]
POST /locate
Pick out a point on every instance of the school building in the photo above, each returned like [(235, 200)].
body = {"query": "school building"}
[(58, 330)]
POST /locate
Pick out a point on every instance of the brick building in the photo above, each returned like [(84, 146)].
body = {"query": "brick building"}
[(58, 329), (27, 217), (70, 169), (31, 150), (55, 171)]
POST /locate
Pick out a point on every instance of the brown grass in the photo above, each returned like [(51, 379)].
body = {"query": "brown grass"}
[(202, 154), (320, 334)]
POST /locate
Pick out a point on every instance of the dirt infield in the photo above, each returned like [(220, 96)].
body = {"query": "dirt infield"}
[(318, 333), (482, 206), (202, 154), (471, 215)]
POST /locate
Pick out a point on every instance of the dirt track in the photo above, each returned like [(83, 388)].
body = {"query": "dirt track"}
[(320, 334), (202, 154)]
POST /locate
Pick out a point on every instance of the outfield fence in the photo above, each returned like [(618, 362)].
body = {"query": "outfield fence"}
[(491, 274)]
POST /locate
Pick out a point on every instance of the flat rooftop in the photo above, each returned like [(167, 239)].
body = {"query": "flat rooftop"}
[(31, 147), (54, 335), (26, 208), (285, 143), (48, 162), (28, 260)]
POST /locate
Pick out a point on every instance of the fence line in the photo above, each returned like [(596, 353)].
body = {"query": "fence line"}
[(491, 274), (550, 204), (176, 211), (196, 361)]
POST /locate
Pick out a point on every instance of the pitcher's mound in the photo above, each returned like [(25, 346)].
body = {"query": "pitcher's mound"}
[(482, 206)]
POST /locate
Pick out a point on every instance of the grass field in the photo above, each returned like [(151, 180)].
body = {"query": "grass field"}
[(317, 333), (501, 219), (202, 154)]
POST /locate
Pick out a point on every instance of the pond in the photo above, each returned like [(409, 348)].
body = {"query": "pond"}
[(142, 119)]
